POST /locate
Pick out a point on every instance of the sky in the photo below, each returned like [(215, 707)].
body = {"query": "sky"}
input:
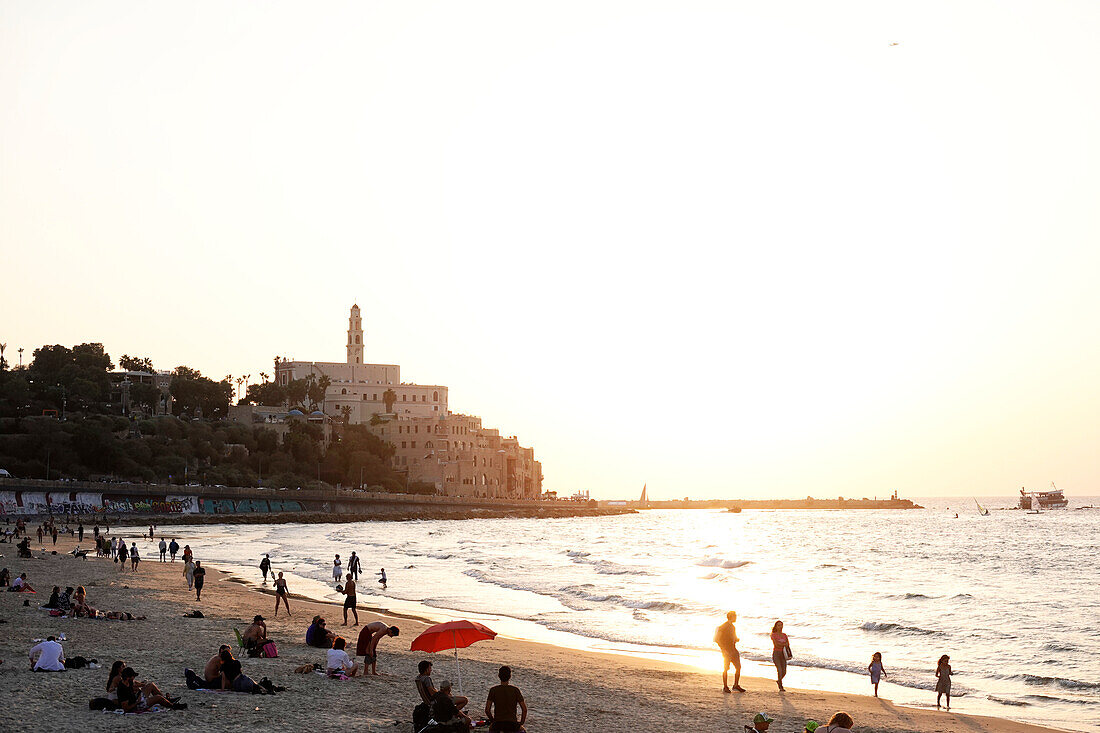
[(721, 249)]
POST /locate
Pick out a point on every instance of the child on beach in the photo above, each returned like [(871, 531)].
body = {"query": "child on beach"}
[(943, 680), (877, 670)]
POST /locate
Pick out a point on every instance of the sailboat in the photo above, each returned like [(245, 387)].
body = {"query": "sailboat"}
[(981, 509), (643, 500)]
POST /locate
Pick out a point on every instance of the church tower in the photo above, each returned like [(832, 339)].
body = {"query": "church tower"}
[(355, 337)]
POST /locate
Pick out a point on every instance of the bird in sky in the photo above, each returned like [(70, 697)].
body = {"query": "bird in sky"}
[(895, 43)]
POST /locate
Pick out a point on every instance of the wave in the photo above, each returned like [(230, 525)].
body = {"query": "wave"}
[(580, 592), (577, 553), (1056, 647), (888, 628), (1006, 701), (1062, 682), (606, 567), (720, 562), (912, 597), (830, 565)]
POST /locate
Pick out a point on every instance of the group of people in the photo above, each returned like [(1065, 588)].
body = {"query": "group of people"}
[(505, 708), (725, 636), (839, 723), (366, 646), (223, 671)]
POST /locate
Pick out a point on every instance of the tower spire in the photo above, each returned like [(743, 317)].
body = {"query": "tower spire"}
[(355, 337)]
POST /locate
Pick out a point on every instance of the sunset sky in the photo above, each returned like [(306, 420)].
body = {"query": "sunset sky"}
[(719, 248)]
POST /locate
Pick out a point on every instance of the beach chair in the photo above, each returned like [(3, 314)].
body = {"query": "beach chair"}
[(240, 641)]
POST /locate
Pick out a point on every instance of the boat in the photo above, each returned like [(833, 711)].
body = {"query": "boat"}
[(981, 509), (1041, 500)]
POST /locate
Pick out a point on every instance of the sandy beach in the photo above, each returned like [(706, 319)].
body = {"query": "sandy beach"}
[(566, 690)]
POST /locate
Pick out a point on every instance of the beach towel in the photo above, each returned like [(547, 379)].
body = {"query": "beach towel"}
[(269, 650)]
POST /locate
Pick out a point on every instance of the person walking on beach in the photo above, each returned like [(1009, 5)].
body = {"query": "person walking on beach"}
[(187, 554), (877, 670), (134, 557), (80, 532), (199, 574), (173, 548), (189, 573), (725, 636), (53, 533), (163, 547), (280, 594), (265, 567), (95, 531), (337, 570), (348, 590), (781, 652), (353, 566), (123, 555), (382, 580), (943, 681)]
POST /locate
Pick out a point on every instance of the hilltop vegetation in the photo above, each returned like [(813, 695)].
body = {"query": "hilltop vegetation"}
[(95, 440)]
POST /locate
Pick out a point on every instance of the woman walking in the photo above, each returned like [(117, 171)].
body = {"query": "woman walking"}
[(943, 681), (189, 573), (280, 594), (781, 652)]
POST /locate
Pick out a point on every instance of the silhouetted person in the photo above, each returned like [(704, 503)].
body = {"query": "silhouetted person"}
[(725, 636)]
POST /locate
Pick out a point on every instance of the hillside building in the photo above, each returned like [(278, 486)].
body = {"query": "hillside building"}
[(454, 452)]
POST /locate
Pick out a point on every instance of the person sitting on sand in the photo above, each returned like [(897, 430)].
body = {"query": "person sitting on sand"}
[(114, 679), (367, 643), (255, 636), (130, 699), (5, 578), (760, 722), (445, 712), (55, 595), (20, 585), (337, 660), (426, 688), (47, 656), (122, 616), (500, 706), (65, 600), (211, 673), (318, 636), (839, 723), (233, 676)]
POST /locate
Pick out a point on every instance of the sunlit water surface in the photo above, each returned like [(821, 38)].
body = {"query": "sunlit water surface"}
[(1011, 597)]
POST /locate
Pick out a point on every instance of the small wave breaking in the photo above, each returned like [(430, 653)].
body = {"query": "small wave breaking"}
[(721, 562), (889, 628)]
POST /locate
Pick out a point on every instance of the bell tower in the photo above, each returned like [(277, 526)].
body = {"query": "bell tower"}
[(355, 337)]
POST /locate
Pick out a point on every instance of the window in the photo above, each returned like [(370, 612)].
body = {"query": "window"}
[(344, 391), (375, 397), (404, 398), (428, 444), (423, 398), (357, 337), (416, 428), (413, 444), (435, 396), (364, 397), (402, 444), (357, 360)]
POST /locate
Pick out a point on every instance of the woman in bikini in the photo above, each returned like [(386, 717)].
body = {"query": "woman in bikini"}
[(281, 593)]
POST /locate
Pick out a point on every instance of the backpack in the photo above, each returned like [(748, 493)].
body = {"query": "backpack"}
[(269, 650)]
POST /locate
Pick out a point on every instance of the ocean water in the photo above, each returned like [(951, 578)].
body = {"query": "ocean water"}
[(1011, 597)]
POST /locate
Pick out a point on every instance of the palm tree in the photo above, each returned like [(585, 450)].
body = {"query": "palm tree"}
[(264, 376)]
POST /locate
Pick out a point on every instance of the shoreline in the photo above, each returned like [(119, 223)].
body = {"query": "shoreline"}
[(566, 689)]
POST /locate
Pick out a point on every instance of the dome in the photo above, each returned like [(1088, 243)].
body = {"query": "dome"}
[(295, 413), (316, 413)]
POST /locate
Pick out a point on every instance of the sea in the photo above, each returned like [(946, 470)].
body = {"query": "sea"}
[(1012, 597)]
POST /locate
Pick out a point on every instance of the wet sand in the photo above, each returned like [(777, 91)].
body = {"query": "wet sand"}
[(566, 690)]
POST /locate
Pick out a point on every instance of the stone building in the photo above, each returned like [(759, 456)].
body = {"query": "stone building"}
[(454, 452)]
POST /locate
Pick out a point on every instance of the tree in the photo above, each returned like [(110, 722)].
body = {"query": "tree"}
[(296, 390), (135, 364), (194, 392), (389, 397), (317, 390), (267, 393)]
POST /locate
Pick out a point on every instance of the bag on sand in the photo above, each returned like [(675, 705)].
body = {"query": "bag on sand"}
[(269, 650), (102, 703)]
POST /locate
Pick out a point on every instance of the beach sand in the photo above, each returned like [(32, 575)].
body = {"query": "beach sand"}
[(565, 689)]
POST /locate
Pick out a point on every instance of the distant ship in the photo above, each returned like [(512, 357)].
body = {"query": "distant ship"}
[(981, 509), (1039, 500)]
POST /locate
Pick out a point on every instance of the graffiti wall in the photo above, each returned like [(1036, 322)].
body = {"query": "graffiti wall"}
[(74, 502), (247, 506)]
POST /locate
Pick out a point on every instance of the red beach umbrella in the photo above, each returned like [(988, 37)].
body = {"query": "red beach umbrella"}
[(452, 635)]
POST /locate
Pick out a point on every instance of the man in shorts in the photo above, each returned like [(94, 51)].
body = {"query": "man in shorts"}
[(367, 643), (348, 590), (725, 636)]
